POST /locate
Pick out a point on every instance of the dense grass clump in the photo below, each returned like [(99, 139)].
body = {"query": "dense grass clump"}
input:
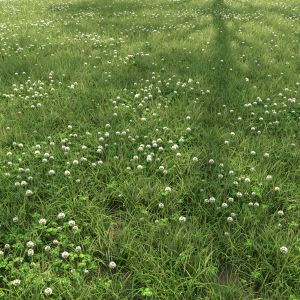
[(149, 149)]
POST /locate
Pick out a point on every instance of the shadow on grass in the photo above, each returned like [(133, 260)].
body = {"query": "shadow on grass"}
[(215, 67), (223, 57), (222, 74)]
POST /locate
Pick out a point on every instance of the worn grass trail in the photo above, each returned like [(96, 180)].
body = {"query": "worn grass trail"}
[(149, 149)]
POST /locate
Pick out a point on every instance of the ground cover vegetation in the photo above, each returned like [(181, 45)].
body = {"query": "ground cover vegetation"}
[(149, 149)]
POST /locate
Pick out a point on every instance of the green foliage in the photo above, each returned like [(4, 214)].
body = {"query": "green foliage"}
[(149, 149)]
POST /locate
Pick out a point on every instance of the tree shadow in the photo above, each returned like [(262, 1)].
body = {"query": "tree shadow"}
[(222, 51), (223, 64), (221, 67)]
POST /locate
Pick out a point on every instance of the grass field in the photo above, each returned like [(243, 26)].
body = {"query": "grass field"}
[(150, 149)]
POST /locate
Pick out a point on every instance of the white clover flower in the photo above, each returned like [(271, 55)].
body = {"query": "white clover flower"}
[(140, 167), (269, 177), (284, 250), (1, 253), (161, 205), (15, 219), (211, 161), (16, 282), (224, 205), (42, 221), (29, 193), (212, 200), (182, 219), (74, 228), (65, 254), (78, 249), (175, 147), (51, 172), (47, 248), (112, 265), (7, 246), (48, 291), (229, 219), (61, 215), (30, 244), (30, 252), (280, 213), (195, 159), (168, 189), (277, 188), (67, 173), (72, 223)]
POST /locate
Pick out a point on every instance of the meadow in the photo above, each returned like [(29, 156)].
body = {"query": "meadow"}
[(149, 149)]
